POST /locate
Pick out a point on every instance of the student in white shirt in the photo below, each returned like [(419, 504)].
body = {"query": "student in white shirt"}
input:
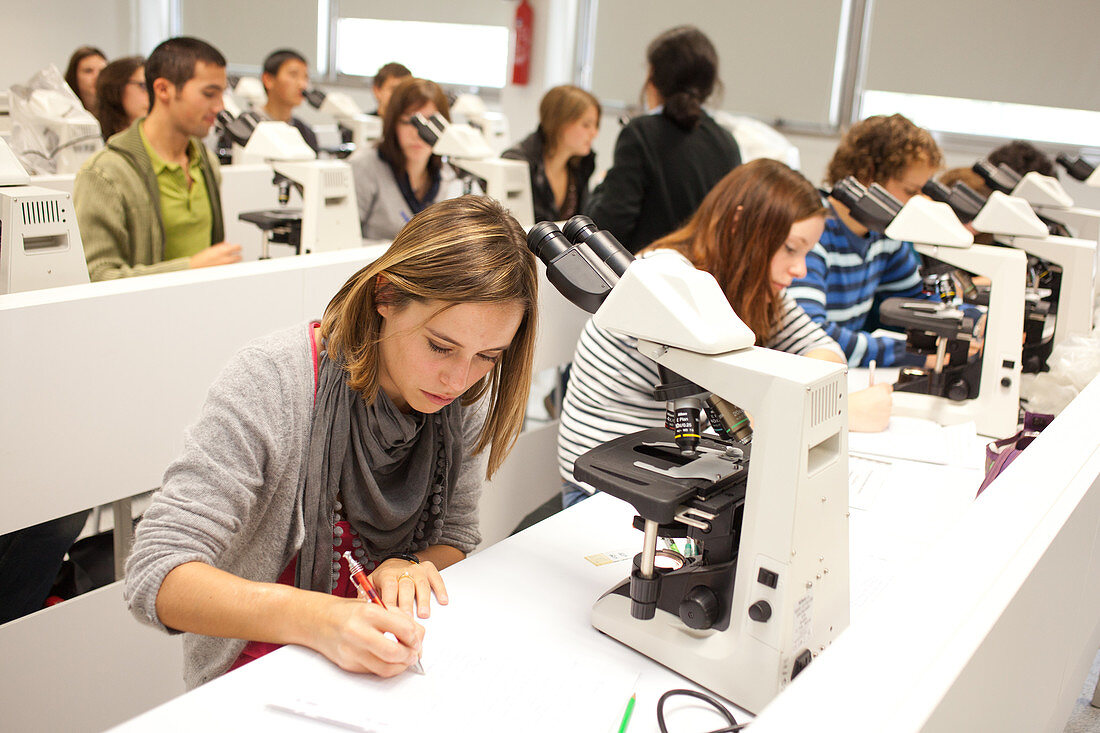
[(752, 233)]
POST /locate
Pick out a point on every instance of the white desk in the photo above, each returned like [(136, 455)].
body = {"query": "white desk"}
[(537, 585)]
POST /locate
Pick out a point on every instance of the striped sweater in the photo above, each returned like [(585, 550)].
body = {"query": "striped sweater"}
[(847, 276), (610, 391)]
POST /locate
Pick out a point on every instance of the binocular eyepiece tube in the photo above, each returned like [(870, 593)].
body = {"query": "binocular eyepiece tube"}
[(582, 261)]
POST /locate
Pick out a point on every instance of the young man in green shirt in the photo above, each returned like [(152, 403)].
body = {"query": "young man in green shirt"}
[(150, 200)]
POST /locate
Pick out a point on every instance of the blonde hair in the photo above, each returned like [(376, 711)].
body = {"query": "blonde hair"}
[(559, 107), (463, 250)]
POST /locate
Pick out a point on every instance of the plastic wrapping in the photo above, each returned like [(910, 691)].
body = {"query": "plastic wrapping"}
[(51, 130), (1073, 364)]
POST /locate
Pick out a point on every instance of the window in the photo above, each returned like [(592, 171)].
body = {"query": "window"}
[(447, 53), (990, 119)]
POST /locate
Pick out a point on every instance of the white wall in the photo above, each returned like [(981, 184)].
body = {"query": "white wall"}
[(48, 31)]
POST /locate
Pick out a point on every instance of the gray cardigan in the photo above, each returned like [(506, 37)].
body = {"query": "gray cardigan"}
[(382, 208), (231, 498)]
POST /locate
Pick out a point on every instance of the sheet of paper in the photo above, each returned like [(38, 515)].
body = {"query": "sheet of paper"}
[(917, 439), (465, 680), (866, 477)]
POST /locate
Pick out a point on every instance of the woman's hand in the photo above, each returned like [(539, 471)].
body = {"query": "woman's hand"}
[(364, 637), (869, 409), (401, 582)]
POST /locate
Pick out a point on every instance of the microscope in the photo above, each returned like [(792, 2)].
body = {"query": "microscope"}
[(1053, 205), (1060, 293), (465, 148), (768, 506), (1080, 169), (40, 244), (361, 128), (957, 388), (329, 217)]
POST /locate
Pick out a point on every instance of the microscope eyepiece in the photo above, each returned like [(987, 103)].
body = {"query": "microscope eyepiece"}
[(578, 228), (997, 177), (960, 199), (315, 97), (936, 191), (602, 243), (1077, 167), (849, 192), (425, 129), (872, 207), (546, 241)]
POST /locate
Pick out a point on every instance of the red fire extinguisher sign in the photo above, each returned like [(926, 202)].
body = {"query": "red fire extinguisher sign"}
[(521, 63)]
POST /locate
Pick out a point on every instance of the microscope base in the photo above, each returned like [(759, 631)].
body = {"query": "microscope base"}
[(736, 666), (996, 418)]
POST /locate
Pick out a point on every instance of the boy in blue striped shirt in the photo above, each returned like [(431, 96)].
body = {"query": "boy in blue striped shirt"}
[(852, 270)]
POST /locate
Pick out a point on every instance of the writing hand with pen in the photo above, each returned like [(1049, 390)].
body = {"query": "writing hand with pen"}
[(367, 592)]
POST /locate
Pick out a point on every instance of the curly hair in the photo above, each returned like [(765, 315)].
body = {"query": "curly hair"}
[(1023, 157), (879, 148)]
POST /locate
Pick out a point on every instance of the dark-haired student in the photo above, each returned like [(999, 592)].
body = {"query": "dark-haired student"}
[(666, 161), (286, 79), (149, 201)]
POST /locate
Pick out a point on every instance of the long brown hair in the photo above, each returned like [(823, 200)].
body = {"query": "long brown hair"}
[(74, 63), (411, 94), (463, 250), (739, 227), (110, 88), (559, 107)]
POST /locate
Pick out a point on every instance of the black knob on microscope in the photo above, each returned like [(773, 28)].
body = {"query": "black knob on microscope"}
[(958, 390), (699, 609), (760, 611)]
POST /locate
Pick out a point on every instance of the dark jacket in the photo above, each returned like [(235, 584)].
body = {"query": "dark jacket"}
[(660, 175), (580, 170)]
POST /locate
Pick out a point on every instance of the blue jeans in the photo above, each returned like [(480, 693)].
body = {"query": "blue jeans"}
[(571, 494)]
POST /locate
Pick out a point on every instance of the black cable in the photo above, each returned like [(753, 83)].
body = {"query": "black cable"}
[(718, 706)]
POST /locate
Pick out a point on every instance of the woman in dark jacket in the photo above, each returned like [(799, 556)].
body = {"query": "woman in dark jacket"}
[(560, 152), (666, 161)]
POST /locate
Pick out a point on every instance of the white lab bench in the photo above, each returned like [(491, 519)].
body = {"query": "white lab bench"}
[(950, 581)]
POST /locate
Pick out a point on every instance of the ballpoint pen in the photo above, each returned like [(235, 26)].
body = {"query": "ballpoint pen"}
[(362, 582)]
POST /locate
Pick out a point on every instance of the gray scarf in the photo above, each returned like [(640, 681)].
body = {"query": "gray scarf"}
[(392, 471)]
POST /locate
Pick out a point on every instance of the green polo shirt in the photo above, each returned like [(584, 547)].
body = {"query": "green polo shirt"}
[(186, 211)]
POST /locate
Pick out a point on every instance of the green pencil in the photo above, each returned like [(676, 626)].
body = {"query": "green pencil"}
[(626, 715)]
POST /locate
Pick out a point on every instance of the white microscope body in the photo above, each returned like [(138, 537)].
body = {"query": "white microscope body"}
[(365, 128), (40, 244), (935, 231), (330, 213), (508, 181), (780, 581), (1012, 221), (1049, 199)]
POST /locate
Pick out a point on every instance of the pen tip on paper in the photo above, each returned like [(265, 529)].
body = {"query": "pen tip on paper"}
[(417, 667)]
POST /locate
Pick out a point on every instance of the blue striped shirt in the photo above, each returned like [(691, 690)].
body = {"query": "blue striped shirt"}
[(847, 277)]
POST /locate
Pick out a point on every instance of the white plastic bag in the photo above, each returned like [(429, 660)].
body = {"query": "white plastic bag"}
[(51, 130), (1073, 364)]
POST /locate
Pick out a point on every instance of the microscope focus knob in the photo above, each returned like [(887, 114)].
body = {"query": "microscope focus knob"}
[(958, 390), (760, 611), (699, 609)]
